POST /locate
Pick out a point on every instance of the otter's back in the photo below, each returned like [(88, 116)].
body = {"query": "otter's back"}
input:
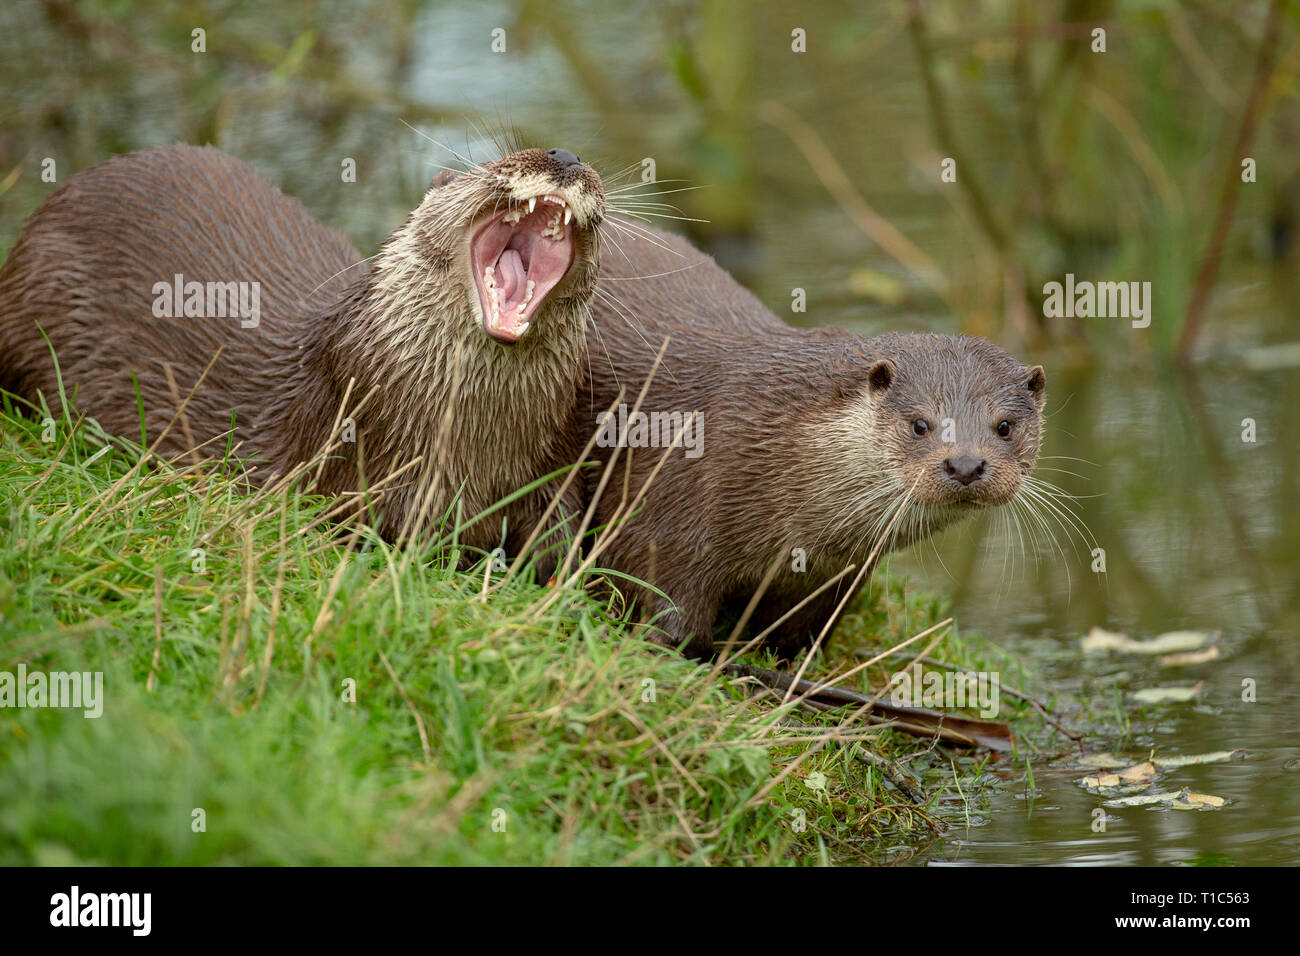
[(90, 269)]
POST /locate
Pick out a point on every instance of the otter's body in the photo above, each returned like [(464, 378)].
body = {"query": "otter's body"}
[(805, 449), (84, 269), (441, 380)]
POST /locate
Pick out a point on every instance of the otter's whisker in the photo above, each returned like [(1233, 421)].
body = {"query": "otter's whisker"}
[(1032, 497), (618, 306), (639, 202), (653, 275), (452, 169), (596, 328), (644, 202), (1057, 501), (343, 270), (628, 230), (1005, 517), (469, 163), (612, 179), (644, 214), (1069, 578), (1082, 461), (640, 232), (657, 182), (612, 240), (1062, 471)]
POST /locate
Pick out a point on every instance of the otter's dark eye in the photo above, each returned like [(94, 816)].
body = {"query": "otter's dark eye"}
[(920, 427), (1004, 429)]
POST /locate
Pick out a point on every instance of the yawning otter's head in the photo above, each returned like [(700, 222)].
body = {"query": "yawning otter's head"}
[(518, 236)]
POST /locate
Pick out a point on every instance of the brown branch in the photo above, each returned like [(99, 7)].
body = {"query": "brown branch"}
[(1230, 189), (944, 135)]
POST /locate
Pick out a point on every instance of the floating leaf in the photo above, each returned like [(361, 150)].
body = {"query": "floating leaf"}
[(1101, 781), (1141, 800), (1189, 658), (1100, 640), (1142, 773), (1182, 800), (1164, 695), (1109, 761), (1270, 357), (1103, 761), (1184, 760), (1138, 773)]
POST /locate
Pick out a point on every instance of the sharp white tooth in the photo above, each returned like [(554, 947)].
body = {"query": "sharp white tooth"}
[(532, 204), (520, 330), (568, 214)]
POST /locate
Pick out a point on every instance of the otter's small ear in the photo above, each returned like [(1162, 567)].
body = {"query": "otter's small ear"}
[(880, 375), (442, 179), (1037, 383)]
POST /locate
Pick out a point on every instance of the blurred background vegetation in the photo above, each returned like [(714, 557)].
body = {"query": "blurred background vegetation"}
[(1106, 164), (820, 171)]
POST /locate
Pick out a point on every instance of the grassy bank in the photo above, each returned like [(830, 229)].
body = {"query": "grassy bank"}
[(290, 696)]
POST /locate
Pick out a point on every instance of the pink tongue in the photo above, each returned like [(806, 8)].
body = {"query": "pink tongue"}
[(511, 269)]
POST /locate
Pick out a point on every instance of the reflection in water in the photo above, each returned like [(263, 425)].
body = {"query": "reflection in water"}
[(1199, 535)]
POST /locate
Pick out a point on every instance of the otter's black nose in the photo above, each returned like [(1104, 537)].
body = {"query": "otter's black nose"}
[(965, 469), (564, 157)]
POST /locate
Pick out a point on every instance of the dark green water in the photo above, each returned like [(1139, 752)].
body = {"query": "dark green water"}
[(1200, 534), (1200, 529)]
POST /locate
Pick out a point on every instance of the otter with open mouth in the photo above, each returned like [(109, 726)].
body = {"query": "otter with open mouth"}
[(518, 257), (451, 359)]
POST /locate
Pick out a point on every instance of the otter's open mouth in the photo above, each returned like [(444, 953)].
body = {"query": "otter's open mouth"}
[(517, 257)]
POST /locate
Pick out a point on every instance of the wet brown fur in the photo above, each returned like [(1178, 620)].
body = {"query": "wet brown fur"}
[(807, 440), (406, 327)]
